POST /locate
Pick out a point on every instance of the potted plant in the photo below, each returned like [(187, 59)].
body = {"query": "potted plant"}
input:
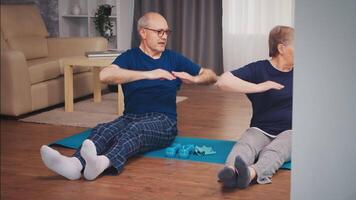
[(102, 21)]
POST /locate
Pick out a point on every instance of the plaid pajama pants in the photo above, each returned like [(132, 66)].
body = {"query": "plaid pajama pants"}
[(131, 134)]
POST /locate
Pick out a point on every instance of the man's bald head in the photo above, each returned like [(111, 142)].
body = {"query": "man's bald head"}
[(152, 20), (153, 31)]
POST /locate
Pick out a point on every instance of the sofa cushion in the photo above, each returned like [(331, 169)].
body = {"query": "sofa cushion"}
[(31, 46), (24, 30), (21, 21), (43, 69)]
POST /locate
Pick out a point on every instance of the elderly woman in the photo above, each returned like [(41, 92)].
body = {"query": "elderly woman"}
[(268, 84)]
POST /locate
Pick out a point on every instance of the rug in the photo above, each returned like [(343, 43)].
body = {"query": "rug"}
[(86, 113)]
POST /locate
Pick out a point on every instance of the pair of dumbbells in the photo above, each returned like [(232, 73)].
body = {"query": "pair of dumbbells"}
[(182, 151)]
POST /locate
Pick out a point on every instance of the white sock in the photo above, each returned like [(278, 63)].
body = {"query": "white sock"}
[(68, 167), (95, 164)]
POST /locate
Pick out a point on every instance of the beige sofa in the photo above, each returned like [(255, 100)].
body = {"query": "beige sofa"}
[(31, 69)]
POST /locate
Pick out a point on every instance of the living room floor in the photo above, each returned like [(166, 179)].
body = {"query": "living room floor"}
[(207, 113)]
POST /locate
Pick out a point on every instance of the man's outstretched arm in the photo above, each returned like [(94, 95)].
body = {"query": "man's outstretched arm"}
[(113, 74)]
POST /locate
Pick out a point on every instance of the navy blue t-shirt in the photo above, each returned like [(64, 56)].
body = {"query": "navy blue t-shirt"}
[(145, 96), (272, 110)]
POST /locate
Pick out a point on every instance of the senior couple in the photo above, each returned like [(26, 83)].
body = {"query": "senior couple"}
[(150, 76)]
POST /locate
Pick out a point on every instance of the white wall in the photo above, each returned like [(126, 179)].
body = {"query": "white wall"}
[(125, 22), (324, 115)]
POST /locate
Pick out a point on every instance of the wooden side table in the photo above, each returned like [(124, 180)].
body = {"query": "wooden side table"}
[(96, 64)]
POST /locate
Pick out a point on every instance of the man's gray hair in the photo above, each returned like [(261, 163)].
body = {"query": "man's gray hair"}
[(142, 22)]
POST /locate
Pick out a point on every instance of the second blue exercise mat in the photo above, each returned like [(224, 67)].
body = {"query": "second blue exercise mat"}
[(222, 148)]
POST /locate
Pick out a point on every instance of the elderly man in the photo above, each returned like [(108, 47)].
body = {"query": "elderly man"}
[(150, 76)]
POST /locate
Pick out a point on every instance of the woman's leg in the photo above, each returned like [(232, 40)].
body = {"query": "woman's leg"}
[(248, 148), (273, 156)]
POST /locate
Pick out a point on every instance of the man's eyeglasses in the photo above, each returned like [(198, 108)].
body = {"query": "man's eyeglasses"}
[(161, 32)]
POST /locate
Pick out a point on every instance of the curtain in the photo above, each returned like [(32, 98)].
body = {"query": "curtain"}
[(246, 25), (196, 25)]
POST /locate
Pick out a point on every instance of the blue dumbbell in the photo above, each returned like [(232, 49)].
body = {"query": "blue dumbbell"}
[(186, 150), (172, 150)]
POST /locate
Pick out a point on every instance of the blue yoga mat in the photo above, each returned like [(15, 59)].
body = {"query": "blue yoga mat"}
[(222, 148)]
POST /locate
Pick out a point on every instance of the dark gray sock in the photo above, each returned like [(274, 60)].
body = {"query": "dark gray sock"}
[(243, 172), (228, 177)]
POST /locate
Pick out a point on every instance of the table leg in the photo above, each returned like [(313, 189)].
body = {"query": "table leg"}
[(96, 85), (120, 100), (68, 88)]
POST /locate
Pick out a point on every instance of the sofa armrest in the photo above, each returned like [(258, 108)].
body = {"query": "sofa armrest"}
[(75, 46), (15, 84)]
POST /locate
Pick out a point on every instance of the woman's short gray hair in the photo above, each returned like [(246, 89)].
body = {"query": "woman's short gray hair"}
[(279, 35)]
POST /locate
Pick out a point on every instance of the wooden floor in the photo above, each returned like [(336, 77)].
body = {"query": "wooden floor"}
[(207, 113)]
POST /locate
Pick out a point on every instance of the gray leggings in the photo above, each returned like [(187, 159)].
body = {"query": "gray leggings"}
[(270, 153)]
